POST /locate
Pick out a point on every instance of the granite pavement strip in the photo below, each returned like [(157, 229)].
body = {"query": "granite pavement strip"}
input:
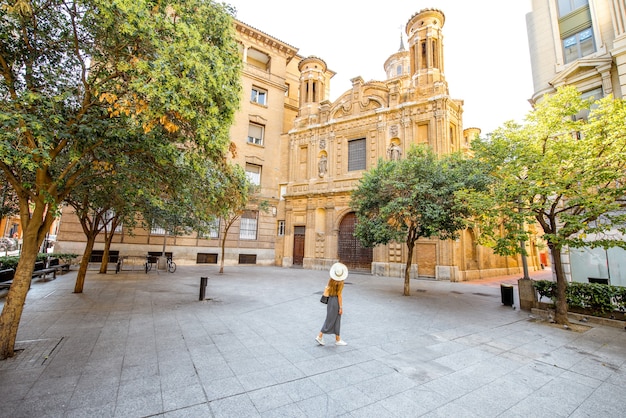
[(144, 345)]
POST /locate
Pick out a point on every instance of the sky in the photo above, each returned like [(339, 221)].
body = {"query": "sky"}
[(487, 63)]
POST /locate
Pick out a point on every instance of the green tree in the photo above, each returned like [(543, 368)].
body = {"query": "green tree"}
[(9, 206), (562, 172), (76, 77), (103, 202), (413, 198), (237, 193)]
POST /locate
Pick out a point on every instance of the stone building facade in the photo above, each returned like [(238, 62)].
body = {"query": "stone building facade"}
[(268, 106), (578, 42), (581, 43), (307, 153), (331, 144)]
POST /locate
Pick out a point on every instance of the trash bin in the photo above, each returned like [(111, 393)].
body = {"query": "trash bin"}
[(507, 294), (203, 283)]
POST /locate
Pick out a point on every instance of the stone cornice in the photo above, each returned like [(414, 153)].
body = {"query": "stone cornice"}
[(277, 45)]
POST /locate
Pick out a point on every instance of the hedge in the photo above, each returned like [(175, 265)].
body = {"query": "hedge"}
[(10, 262), (599, 298)]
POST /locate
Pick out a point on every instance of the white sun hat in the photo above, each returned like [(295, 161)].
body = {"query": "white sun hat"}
[(338, 272)]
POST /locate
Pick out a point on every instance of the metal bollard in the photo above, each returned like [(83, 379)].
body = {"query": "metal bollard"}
[(203, 283)]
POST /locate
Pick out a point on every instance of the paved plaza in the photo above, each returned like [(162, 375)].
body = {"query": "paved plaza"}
[(144, 345)]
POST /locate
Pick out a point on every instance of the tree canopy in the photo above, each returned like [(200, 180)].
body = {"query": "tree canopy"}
[(560, 170), (83, 80), (414, 198)]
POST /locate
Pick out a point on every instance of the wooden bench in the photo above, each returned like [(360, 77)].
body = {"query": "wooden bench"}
[(42, 271), (54, 264), (6, 278), (97, 255)]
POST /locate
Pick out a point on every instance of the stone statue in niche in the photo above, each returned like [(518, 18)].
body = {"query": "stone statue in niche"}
[(322, 166), (394, 152)]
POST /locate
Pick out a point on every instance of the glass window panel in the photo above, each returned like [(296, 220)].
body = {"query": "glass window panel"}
[(586, 34), (248, 225), (578, 46), (356, 155), (588, 262), (255, 134), (253, 172), (587, 47), (580, 3), (281, 228), (157, 230), (568, 42), (214, 228), (568, 6), (258, 96)]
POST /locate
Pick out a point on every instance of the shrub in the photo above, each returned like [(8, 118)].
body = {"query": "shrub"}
[(598, 298), (593, 296), (10, 262), (64, 257), (545, 288)]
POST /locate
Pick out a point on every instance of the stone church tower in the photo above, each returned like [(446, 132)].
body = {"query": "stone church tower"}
[(333, 143)]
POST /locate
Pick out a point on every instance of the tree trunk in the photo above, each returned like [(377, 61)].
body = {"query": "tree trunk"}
[(104, 266), (164, 243), (227, 225), (411, 238), (561, 287), (222, 255), (108, 239), (407, 272), (84, 263), (14, 302)]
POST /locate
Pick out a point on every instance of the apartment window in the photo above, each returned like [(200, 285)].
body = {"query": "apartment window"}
[(281, 229), (106, 220), (258, 96), (214, 229), (258, 59), (593, 95), (255, 134), (578, 45), (248, 225), (356, 155), (157, 230), (253, 172), (568, 6)]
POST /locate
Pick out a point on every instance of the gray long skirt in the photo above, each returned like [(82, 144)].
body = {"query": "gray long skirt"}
[(332, 325)]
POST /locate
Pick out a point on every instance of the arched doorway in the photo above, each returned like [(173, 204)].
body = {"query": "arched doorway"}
[(351, 252)]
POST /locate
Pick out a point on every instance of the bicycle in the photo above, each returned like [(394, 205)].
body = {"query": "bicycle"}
[(171, 265)]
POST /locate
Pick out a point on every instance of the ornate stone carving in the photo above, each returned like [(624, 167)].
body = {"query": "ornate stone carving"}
[(322, 166), (394, 152)]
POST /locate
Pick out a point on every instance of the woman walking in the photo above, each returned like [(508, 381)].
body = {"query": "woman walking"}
[(334, 309)]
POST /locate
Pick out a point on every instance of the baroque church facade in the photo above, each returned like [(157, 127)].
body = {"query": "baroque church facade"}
[(307, 153), (331, 144)]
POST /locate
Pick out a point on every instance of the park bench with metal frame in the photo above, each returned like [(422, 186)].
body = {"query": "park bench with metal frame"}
[(43, 272)]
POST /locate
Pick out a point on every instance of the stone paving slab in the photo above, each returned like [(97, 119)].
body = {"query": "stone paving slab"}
[(138, 345)]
